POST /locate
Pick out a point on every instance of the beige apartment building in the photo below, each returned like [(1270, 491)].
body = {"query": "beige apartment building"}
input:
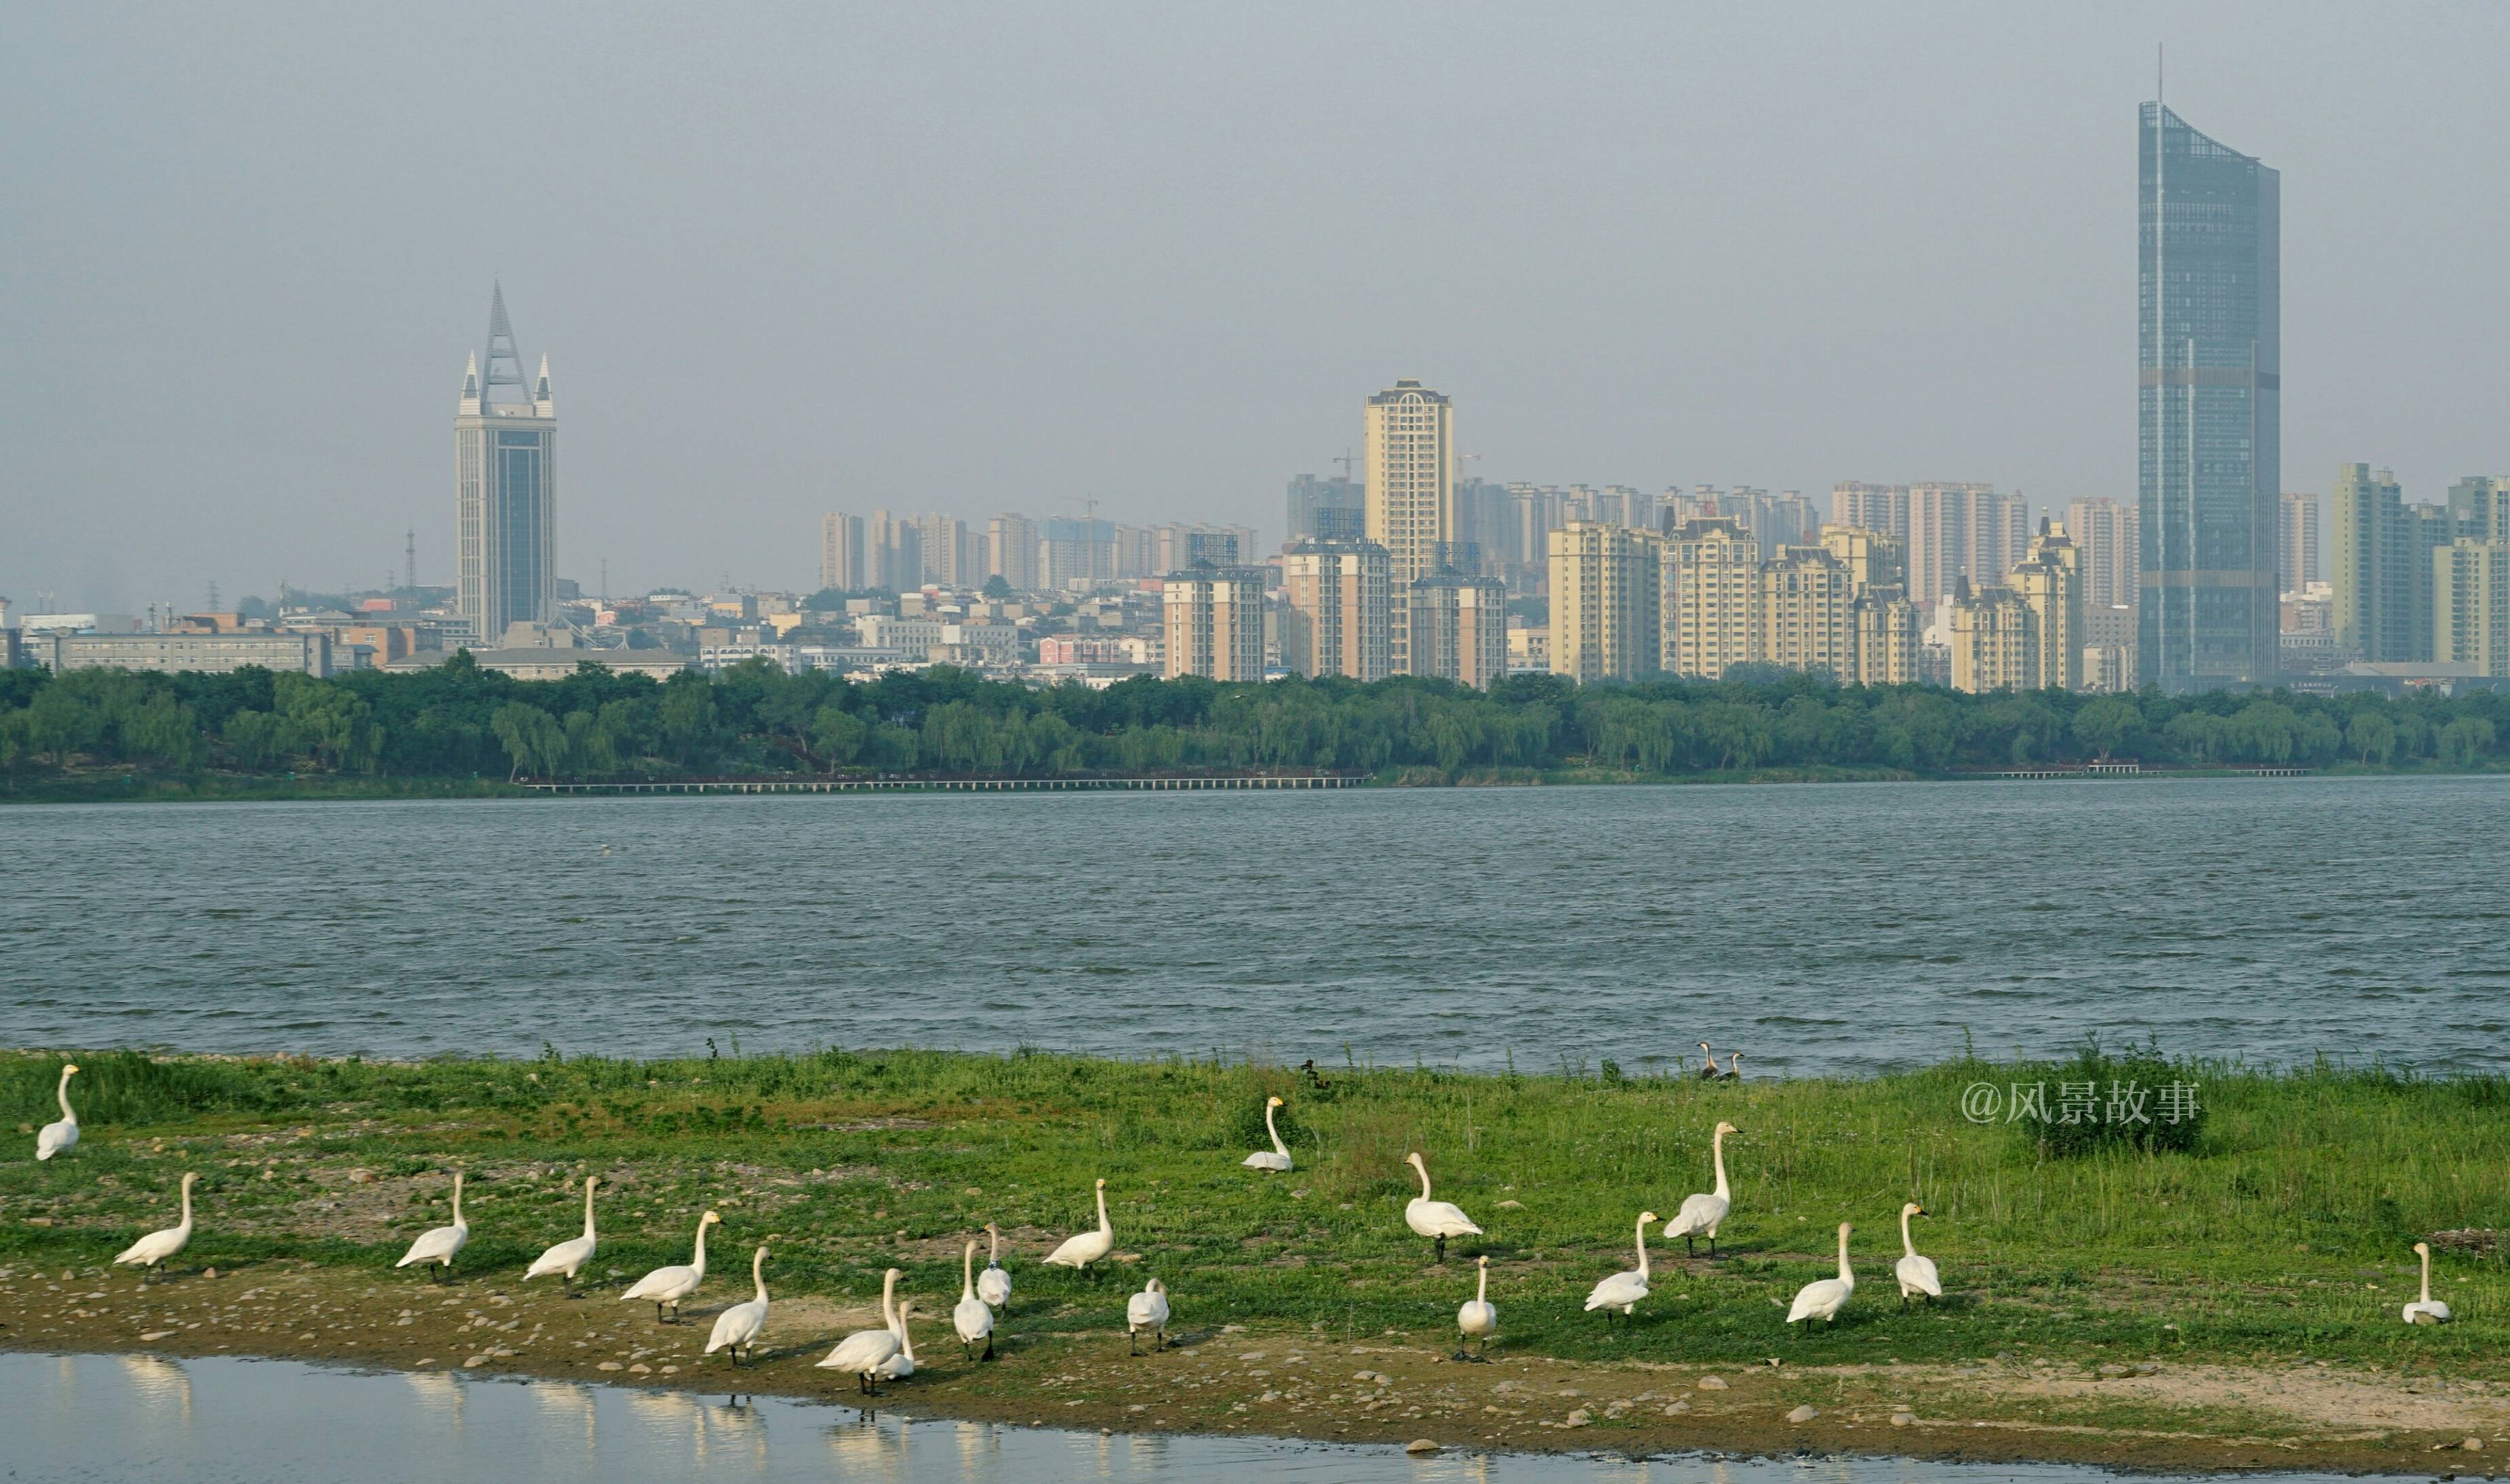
[(1336, 609), (2109, 537), (1214, 620), (1993, 640), (1411, 489), (1711, 587), (2471, 605), (2049, 582), (1459, 628), (1962, 530), (306, 652), (1805, 612), (1890, 637), (1012, 551), (1607, 602)]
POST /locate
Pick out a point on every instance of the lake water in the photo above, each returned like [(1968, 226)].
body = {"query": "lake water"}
[(111, 1418), (1818, 928)]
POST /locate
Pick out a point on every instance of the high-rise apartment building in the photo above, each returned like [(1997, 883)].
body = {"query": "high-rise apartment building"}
[(2381, 575), (1411, 487), (1805, 613), (893, 552), (2471, 605), (1994, 640), (2105, 535), (2049, 582), (505, 489), (949, 557), (1458, 625), (1879, 507), (1324, 509), (1962, 530), (2299, 542), (1336, 609), (2209, 408), (1076, 552), (1011, 551), (1710, 611), (1607, 602), (841, 552), (1214, 623)]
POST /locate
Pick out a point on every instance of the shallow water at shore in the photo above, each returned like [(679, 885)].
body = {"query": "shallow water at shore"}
[(79, 1417), (1820, 928)]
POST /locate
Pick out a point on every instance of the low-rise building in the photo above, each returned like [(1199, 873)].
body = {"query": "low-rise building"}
[(305, 651)]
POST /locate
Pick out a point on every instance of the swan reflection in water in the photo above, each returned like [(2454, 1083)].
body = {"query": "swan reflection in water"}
[(563, 1401), (713, 1433), (868, 1448), (440, 1396), (160, 1384)]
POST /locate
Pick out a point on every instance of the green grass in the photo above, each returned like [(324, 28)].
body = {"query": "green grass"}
[(2285, 1233)]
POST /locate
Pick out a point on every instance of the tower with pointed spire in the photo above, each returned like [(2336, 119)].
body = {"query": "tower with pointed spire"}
[(505, 432)]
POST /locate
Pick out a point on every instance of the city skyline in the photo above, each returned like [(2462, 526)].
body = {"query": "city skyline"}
[(1610, 339)]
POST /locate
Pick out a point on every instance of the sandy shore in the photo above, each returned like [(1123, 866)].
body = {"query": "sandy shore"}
[(1392, 1389)]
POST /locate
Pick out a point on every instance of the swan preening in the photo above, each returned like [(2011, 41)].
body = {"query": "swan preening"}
[(439, 1243), (2426, 1310), (1277, 1157), (1089, 1247), (994, 1285), (1148, 1310), (863, 1353), (1916, 1274), (61, 1135), (151, 1253), (1434, 1219), (973, 1319), (1623, 1290), (1822, 1300), (737, 1327), (669, 1286), (1704, 1214), (1477, 1318), (567, 1258)]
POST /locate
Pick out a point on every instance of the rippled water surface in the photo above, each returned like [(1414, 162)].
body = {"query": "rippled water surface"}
[(120, 1417), (1819, 928)]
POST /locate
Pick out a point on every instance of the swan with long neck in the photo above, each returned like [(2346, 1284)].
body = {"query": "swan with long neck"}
[(1623, 1290), (2426, 1310), (901, 1365), (1148, 1310), (973, 1319), (1733, 1067), (994, 1285), (59, 1136), (669, 1286), (863, 1353), (1917, 1273), (567, 1258), (1477, 1318), (737, 1327), (1824, 1299), (1277, 1157), (1708, 1069), (438, 1244), (1702, 1214), (1437, 1220), (1079, 1252), (150, 1252)]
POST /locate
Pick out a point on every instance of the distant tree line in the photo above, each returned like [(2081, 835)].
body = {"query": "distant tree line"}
[(458, 721)]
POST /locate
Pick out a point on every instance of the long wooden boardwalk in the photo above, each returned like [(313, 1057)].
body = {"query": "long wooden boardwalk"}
[(960, 785)]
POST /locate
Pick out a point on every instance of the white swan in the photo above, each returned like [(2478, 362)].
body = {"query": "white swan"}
[(567, 1258), (152, 1251), (438, 1244), (737, 1328), (1148, 1310), (901, 1365), (1623, 1290), (1705, 1213), (1477, 1318), (994, 1285), (669, 1286), (59, 1137), (1708, 1073), (2427, 1310), (861, 1355), (1824, 1299), (1090, 1246), (1438, 1219), (972, 1317), (1277, 1157), (1917, 1273)]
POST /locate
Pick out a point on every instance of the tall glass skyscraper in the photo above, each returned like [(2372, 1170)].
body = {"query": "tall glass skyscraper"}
[(506, 489), (2209, 409)]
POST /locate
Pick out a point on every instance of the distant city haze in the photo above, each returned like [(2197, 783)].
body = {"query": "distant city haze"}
[(786, 261)]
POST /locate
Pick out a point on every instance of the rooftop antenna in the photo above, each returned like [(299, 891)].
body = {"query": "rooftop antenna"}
[(410, 560), (2159, 75)]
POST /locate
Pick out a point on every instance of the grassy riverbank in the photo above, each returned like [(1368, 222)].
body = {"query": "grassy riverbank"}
[(2281, 1239)]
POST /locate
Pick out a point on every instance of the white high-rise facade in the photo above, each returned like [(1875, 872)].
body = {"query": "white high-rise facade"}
[(1411, 489), (506, 489)]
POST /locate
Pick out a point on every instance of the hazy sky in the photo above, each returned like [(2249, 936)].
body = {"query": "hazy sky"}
[(967, 258)]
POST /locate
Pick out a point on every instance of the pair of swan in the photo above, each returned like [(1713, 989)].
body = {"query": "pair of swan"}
[(150, 1252), (1277, 1157), (2426, 1310), (1437, 1220), (886, 1353), (665, 1286), (567, 1258), (1825, 1298), (737, 1327), (1701, 1214), (1708, 1071), (61, 1136)]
